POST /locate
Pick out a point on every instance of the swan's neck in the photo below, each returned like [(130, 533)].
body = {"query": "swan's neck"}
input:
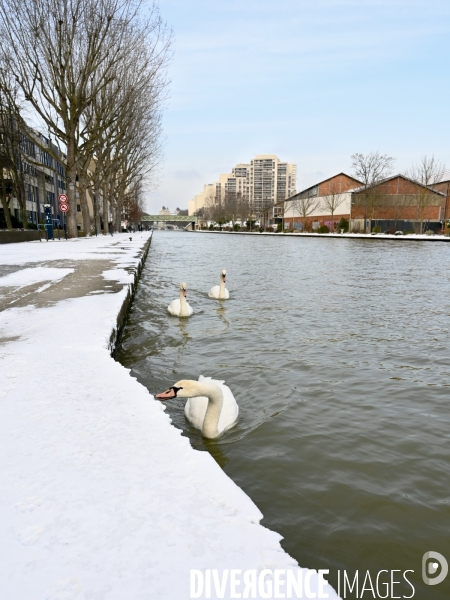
[(183, 305), (213, 411), (222, 288)]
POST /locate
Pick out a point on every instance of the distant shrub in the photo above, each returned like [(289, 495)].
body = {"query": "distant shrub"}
[(236, 227), (211, 227), (343, 224), (323, 229), (376, 229)]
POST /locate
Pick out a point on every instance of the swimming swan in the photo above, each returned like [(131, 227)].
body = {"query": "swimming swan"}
[(180, 308), (220, 291), (211, 406)]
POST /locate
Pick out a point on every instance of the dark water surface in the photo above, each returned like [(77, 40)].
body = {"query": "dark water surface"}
[(337, 352)]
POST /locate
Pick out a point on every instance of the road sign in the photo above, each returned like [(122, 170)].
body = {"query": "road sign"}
[(63, 198), (63, 207)]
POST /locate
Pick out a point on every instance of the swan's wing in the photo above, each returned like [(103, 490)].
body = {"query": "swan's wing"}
[(174, 307), (195, 410), (189, 307), (227, 294), (230, 409), (211, 380), (214, 291)]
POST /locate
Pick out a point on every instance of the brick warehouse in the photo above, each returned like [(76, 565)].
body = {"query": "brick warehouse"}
[(337, 188), (397, 202), (400, 202)]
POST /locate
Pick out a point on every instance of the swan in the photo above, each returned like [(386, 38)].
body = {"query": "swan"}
[(211, 406), (180, 308), (220, 291)]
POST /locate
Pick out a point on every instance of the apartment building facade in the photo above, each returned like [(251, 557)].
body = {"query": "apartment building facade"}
[(260, 183), (40, 165)]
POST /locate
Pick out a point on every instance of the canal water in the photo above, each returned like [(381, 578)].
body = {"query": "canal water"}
[(338, 353)]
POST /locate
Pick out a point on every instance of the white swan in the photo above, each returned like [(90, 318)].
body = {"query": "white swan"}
[(211, 406), (220, 291), (180, 308)]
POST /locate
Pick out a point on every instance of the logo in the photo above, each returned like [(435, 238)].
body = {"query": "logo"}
[(432, 562)]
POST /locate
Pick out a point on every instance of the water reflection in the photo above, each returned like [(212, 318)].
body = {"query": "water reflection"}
[(221, 312), (216, 452), (184, 331)]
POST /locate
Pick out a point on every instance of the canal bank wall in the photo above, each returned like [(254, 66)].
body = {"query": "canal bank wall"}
[(379, 237), (100, 496)]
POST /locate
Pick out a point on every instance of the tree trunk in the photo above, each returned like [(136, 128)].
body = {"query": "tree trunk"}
[(95, 205), (5, 205), (71, 173), (87, 225), (105, 208), (21, 198)]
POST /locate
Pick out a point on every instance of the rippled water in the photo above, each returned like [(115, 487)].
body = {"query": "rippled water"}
[(337, 352)]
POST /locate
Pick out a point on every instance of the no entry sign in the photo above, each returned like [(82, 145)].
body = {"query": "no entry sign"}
[(63, 207), (63, 199)]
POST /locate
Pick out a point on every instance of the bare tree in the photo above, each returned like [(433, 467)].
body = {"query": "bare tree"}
[(333, 200), (209, 205), (247, 211), (232, 206), (9, 147), (15, 145), (219, 210), (371, 169), (133, 206), (426, 172), (305, 204), (57, 48), (281, 209)]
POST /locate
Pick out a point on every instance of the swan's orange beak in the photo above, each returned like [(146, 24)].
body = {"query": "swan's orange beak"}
[(184, 293), (170, 393)]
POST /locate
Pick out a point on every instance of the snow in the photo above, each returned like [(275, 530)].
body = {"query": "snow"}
[(365, 236), (118, 275), (33, 275), (101, 498)]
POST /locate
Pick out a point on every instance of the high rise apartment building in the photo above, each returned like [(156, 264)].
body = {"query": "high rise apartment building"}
[(262, 182), (271, 181)]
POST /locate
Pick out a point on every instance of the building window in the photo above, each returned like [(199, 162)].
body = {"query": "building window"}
[(78, 208)]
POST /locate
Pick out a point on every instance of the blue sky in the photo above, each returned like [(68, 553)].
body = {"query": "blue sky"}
[(310, 81)]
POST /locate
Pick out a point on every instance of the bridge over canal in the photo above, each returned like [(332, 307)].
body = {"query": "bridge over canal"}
[(183, 221)]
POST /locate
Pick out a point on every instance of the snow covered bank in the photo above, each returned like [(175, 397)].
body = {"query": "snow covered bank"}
[(29, 276), (353, 236), (101, 498)]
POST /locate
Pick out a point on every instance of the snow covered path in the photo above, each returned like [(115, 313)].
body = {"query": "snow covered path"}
[(101, 498)]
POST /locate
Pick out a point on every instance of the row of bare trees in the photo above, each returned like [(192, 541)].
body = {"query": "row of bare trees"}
[(94, 73), (306, 204), (228, 208)]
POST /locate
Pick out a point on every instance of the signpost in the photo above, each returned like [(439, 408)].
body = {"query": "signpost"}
[(63, 207), (48, 221)]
